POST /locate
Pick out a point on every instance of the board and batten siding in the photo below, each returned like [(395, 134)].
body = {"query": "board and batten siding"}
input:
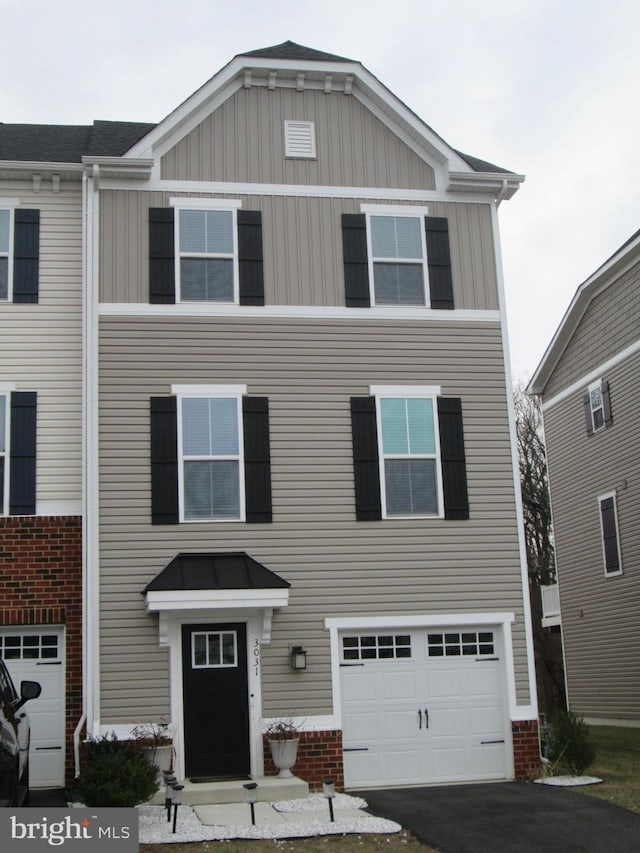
[(243, 141), (41, 344), (336, 565), (603, 673), (303, 262), (610, 324)]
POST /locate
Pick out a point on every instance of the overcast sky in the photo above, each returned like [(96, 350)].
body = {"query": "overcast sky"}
[(545, 88)]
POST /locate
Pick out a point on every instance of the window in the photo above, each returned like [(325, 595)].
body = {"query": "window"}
[(376, 647), (396, 256), (19, 253), (210, 456), (17, 452), (214, 649), (408, 455), (300, 139), (205, 251), (610, 534), (597, 406), (454, 644), (29, 646)]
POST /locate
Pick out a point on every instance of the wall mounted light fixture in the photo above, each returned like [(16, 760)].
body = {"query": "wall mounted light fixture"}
[(298, 658)]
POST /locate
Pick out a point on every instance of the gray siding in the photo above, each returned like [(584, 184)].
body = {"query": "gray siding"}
[(610, 323), (302, 248), (243, 141), (599, 614), (336, 565), (41, 345)]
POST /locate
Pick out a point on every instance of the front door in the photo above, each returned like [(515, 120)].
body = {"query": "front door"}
[(216, 701)]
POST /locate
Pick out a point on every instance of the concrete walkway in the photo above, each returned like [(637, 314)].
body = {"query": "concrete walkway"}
[(509, 817)]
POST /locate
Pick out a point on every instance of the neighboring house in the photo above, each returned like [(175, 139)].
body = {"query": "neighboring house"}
[(299, 436), (588, 381)]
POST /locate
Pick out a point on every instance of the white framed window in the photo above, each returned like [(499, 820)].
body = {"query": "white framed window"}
[(211, 453), (6, 253), (397, 251), (610, 534), (300, 139), (457, 643), (361, 647), (214, 649), (206, 236), (596, 404), (409, 451), (4, 453)]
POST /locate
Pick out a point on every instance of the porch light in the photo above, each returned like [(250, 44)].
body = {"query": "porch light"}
[(298, 658), (169, 781), (251, 797), (329, 791), (176, 799)]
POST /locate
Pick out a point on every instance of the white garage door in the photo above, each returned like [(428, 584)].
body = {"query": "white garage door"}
[(37, 654), (422, 707)]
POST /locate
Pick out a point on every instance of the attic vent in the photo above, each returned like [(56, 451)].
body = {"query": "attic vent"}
[(299, 139)]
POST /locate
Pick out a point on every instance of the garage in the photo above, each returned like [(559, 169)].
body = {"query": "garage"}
[(423, 706), (37, 653)]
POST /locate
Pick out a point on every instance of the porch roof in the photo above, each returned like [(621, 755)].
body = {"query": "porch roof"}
[(215, 572)]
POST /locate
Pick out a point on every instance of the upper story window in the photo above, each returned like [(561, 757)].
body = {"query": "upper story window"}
[(597, 406), (209, 430), (610, 534), (19, 252), (396, 256), (208, 264), (205, 250), (398, 260), (18, 415)]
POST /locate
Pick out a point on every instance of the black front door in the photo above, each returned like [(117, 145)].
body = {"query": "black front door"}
[(216, 701)]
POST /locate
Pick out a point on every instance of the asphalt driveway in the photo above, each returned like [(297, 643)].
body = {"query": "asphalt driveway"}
[(508, 817)]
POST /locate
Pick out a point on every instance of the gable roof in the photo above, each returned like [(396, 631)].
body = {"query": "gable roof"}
[(291, 50), (606, 275)]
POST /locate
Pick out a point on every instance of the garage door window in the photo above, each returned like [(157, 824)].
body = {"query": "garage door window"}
[(376, 647), (29, 646), (474, 643)]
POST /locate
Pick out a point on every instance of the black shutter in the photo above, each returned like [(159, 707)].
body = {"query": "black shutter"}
[(26, 255), (588, 419), (454, 468), (162, 271), (250, 258), (164, 460), (366, 469), (606, 404), (257, 460), (439, 262), (356, 263), (22, 463), (610, 536)]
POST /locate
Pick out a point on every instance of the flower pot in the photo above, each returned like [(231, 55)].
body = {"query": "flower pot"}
[(284, 753), (161, 756)]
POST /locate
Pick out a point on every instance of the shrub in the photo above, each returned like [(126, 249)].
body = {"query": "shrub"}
[(570, 745), (116, 773)]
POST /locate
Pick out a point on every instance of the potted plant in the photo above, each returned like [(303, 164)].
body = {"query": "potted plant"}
[(283, 737), (156, 742)]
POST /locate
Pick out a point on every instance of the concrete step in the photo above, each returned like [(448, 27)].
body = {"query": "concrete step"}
[(270, 789)]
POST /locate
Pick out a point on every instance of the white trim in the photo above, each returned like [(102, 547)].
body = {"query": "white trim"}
[(216, 599), (405, 390), (593, 375), (9, 205), (296, 312), (6, 454), (205, 203), (381, 209), (59, 507), (606, 496), (209, 205), (209, 390), (8, 387)]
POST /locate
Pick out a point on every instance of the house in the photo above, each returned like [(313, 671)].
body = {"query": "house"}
[(587, 381), (300, 489)]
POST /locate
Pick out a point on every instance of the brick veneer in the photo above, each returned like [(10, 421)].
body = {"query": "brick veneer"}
[(319, 757), (41, 584), (526, 749)]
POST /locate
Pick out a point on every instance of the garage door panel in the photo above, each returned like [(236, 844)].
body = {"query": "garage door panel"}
[(443, 683), (449, 763), (483, 681), (399, 685), (400, 723), (486, 721), (489, 760), (359, 686), (360, 726), (403, 766), (447, 723)]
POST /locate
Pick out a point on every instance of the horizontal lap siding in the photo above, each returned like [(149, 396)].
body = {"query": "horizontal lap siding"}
[(243, 140), (41, 344), (603, 674), (335, 564), (303, 263)]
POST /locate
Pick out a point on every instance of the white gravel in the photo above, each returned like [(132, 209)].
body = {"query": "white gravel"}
[(568, 781), (154, 828)]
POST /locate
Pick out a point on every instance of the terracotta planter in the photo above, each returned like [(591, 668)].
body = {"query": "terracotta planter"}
[(284, 754)]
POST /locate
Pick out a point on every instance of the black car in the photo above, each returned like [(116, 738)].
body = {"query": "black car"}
[(15, 735)]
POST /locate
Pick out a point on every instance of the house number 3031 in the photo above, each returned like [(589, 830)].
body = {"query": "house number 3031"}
[(256, 657)]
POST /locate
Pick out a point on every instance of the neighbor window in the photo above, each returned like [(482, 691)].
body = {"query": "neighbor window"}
[(597, 406), (409, 455), (207, 255), (211, 457), (4, 441), (610, 534), (398, 259), (5, 253)]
